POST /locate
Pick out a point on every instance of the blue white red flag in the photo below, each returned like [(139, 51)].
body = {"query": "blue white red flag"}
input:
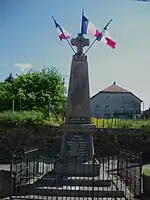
[(62, 33), (88, 28), (105, 37)]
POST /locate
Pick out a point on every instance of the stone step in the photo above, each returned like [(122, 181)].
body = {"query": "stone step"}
[(84, 171), (73, 193), (73, 182)]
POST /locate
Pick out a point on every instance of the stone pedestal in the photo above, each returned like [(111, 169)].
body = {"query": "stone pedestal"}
[(77, 150), (78, 108)]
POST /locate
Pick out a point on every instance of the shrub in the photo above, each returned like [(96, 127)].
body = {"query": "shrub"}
[(26, 117)]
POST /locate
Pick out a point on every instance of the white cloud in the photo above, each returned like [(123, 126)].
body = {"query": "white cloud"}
[(23, 66)]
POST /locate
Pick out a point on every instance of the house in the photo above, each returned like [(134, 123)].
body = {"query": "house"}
[(114, 101)]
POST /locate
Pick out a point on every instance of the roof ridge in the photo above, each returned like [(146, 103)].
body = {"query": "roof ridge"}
[(114, 88)]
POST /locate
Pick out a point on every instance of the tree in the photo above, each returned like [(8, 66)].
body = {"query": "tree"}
[(9, 78), (34, 90), (146, 113)]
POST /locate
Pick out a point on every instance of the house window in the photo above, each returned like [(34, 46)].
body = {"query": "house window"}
[(122, 108), (97, 108), (106, 108)]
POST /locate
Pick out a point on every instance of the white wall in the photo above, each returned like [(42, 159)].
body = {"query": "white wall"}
[(115, 102)]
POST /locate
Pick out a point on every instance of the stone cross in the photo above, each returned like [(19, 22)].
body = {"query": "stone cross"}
[(80, 42)]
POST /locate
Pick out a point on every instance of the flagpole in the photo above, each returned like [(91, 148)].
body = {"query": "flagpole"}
[(69, 43), (90, 46), (82, 22), (65, 37), (98, 36)]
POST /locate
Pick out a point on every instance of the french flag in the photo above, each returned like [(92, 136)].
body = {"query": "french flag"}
[(88, 28), (62, 33), (105, 37)]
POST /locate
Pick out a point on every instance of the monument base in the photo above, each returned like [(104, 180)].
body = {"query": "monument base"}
[(78, 127), (77, 168), (77, 144), (77, 151)]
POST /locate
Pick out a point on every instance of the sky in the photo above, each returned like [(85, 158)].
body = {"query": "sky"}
[(28, 39)]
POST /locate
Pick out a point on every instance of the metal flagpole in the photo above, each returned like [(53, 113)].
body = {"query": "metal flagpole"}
[(98, 36), (82, 22), (65, 36)]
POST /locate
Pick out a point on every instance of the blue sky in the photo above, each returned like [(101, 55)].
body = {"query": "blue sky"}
[(28, 38)]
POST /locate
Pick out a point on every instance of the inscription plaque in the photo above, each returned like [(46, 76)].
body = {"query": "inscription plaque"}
[(78, 144), (78, 120)]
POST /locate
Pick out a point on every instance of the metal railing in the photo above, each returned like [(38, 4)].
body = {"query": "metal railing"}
[(129, 168), (44, 173)]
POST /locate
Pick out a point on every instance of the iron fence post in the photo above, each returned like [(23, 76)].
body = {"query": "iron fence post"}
[(103, 123), (12, 178), (37, 162), (117, 163), (108, 164), (126, 171), (141, 162), (93, 177), (27, 168)]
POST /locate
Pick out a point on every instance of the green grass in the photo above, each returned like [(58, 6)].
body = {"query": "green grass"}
[(146, 172), (118, 123), (38, 118), (27, 117)]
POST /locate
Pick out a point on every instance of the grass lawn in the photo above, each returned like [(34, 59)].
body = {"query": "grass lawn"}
[(121, 123)]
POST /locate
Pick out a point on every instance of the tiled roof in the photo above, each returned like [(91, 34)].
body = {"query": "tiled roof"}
[(114, 88)]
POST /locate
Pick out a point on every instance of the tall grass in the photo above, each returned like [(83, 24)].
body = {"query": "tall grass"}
[(26, 117), (121, 123), (38, 118)]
